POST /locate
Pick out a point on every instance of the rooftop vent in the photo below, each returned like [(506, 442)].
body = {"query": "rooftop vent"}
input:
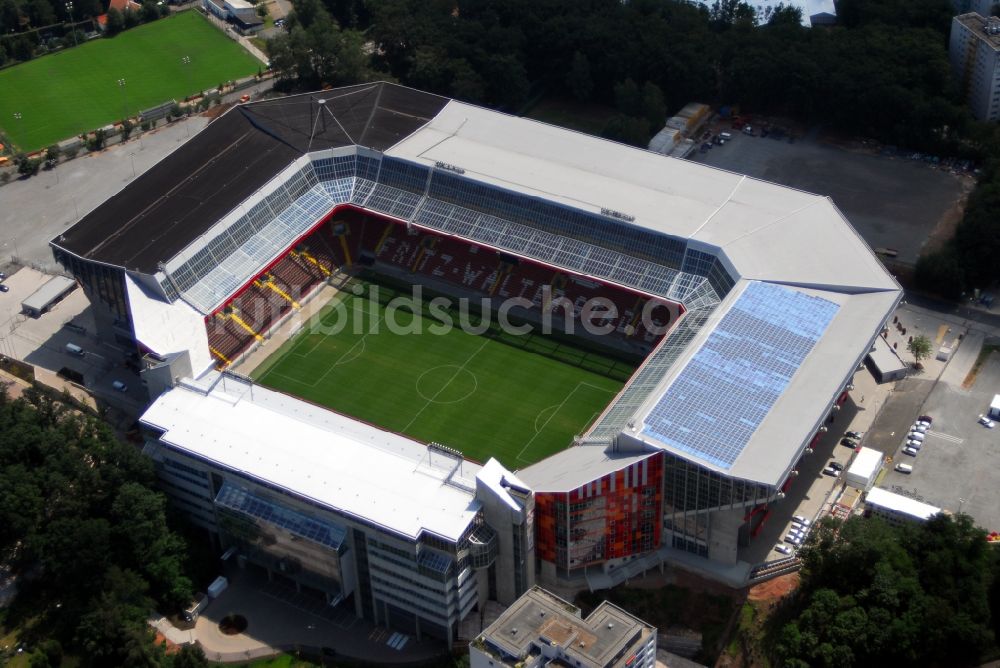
[(610, 625), (513, 631)]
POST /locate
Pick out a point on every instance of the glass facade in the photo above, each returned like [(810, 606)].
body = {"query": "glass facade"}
[(691, 493), (102, 283)]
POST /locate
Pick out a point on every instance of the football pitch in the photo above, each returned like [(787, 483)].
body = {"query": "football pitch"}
[(516, 398), (76, 90)]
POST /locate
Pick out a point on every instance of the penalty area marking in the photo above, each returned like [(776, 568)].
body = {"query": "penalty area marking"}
[(558, 407)]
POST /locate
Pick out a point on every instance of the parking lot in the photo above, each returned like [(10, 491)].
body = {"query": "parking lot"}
[(958, 468), (892, 202), (42, 343)]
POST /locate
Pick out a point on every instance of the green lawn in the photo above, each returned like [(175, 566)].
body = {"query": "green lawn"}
[(76, 90), (477, 394)]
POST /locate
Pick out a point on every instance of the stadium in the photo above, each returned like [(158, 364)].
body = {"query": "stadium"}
[(413, 478)]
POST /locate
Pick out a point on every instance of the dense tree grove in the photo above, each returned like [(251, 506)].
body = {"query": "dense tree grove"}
[(885, 74), (30, 27), (81, 525), (969, 260), (872, 594)]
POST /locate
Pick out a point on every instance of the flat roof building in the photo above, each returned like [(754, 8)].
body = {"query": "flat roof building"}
[(541, 629), (864, 469), (896, 508), (42, 299), (401, 531), (974, 51)]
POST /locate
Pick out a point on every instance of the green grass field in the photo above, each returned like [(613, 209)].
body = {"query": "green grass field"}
[(478, 394), (76, 90)]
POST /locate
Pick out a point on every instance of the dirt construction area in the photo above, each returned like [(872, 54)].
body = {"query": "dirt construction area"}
[(893, 202)]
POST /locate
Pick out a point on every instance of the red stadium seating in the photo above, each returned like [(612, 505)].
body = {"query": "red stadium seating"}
[(354, 238)]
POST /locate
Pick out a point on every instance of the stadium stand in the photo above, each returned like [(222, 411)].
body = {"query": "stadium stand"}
[(351, 240)]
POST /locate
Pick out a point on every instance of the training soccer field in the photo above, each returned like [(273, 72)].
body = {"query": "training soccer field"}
[(76, 90), (483, 395)]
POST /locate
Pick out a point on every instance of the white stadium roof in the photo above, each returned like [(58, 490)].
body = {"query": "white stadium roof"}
[(807, 300), (767, 231), (330, 459)]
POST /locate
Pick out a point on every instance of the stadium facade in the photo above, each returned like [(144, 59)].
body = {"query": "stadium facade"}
[(775, 299)]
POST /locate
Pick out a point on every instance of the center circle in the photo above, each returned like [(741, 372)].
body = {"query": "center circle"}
[(446, 384)]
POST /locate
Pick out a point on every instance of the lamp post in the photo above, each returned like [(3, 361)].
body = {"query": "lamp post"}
[(20, 125), (132, 156), (186, 61), (121, 84), (72, 26)]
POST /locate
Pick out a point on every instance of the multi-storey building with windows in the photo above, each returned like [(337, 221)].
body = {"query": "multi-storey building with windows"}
[(402, 531), (973, 50)]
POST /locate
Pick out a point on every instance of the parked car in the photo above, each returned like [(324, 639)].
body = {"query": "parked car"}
[(919, 428), (833, 473), (848, 442), (856, 435), (926, 418), (909, 451), (916, 436), (837, 466), (904, 468), (916, 445), (784, 549), (4, 287), (922, 423), (793, 540), (986, 422), (799, 519), (120, 386)]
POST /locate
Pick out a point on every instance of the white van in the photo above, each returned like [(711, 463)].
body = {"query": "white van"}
[(74, 349), (120, 386), (725, 135), (904, 468)]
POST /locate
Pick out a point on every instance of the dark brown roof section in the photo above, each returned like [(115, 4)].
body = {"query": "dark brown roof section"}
[(182, 196)]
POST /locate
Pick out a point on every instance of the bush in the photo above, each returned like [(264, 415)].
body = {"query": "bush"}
[(71, 151), (52, 154), (97, 141), (145, 125), (4, 177)]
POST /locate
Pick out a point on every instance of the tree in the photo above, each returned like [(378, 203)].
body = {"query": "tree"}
[(190, 656), (27, 166), (628, 130), (872, 594), (920, 347), (149, 12), (127, 127), (654, 108), (116, 22), (628, 98), (578, 79), (97, 140)]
